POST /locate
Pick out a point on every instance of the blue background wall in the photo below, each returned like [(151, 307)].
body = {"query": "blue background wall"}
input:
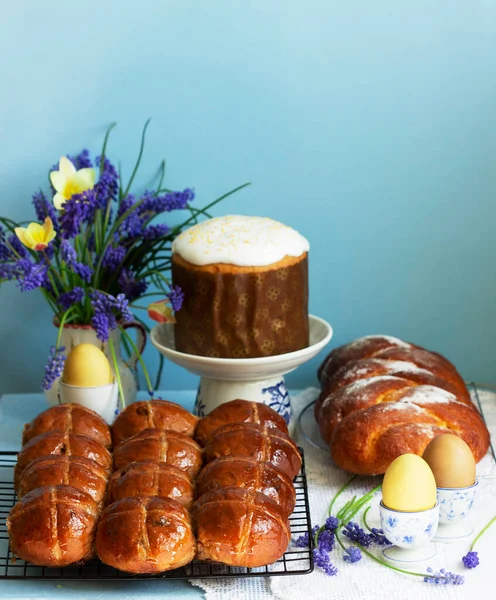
[(370, 126)]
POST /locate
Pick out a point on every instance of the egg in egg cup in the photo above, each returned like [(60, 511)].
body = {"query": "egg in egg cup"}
[(410, 533), (409, 509), (88, 380), (453, 465)]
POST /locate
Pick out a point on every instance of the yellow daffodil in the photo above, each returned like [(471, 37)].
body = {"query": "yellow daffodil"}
[(161, 312), (67, 181), (36, 236)]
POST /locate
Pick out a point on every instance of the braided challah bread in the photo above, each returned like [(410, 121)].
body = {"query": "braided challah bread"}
[(382, 397)]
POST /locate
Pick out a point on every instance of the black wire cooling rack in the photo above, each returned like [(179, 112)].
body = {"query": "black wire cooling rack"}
[(295, 561)]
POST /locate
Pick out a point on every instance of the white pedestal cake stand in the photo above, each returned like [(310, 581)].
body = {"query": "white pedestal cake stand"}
[(256, 379)]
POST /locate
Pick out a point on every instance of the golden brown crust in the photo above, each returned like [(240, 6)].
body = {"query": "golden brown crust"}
[(370, 422), (53, 526), (81, 473), (249, 474), (149, 478), (159, 445), (152, 413), (69, 417), (346, 364), (145, 535), (61, 443), (240, 528), (238, 411), (243, 313), (262, 444)]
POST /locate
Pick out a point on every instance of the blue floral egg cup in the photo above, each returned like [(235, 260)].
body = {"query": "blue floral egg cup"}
[(410, 534), (455, 505)]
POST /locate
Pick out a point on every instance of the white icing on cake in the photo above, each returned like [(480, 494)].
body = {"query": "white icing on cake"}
[(239, 240)]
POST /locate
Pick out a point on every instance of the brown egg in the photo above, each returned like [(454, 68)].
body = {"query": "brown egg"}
[(451, 461)]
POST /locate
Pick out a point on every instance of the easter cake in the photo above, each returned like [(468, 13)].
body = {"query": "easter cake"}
[(245, 284)]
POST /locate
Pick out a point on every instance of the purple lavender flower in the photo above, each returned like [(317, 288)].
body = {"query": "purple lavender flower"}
[(131, 287), (153, 204), (77, 210), (302, 541), (352, 554), (82, 160), (323, 561), (113, 257), (107, 186), (30, 275), (176, 297), (154, 232), (106, 308), (68, 299), (16, 244), (378, 537), (54, 368), (7, 271), (44, 209), (443, 577), (331, 523), (326, 540), (356, 534), (5, 251), (69, 256), (471, 560)]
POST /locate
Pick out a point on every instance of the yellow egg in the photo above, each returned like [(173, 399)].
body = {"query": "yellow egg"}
[(451, 461), (409, 484), (87, 366)]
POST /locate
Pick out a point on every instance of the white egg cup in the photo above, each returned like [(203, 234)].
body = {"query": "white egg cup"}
[(103, 399), (455, 505), (410, 533), (256, 379)]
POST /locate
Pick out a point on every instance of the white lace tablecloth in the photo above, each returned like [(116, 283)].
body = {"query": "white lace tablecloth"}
[(367, 579)]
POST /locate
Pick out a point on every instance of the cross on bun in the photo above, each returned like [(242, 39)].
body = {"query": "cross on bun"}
[(249, 474), (159, 445), (69, 417), (62, 443), (53, 526), (148, 414), (367, 424), (264, 444), (240, 528), (151, 478), (239, 411), (81, 473), (145, 535)]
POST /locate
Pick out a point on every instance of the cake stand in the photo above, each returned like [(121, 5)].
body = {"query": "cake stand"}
[(257, 379)]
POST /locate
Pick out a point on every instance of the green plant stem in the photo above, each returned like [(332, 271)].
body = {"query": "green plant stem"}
[(61, 325), (365, 518), (159, 372), (345, 486), (483, 530), (105, 141), (140, 358), (140, 155), (378, 560), (117, 373)]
